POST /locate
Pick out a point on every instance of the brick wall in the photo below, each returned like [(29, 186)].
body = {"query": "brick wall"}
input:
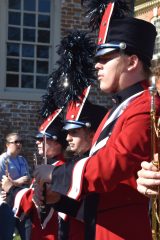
[(22, 117), (148, 14), (72, 16)]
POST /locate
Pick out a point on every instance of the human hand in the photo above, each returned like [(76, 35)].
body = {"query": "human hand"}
[(38, 197), (51, 197), (148, 179), (22, 180), (7, 183), (43, 173)]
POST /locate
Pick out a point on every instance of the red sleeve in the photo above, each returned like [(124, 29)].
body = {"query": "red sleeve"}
[(23, 203)]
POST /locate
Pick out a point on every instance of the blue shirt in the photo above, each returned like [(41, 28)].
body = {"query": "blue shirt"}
[(17, 166)]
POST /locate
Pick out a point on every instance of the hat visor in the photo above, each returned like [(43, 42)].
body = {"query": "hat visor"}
[(105, 51), (70, 126), (42, 135), (38, 136)]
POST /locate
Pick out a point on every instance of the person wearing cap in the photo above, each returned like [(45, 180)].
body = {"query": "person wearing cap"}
[(122, 141), (54, 145)]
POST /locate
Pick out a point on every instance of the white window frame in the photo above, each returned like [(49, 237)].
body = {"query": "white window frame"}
[(22, 93)]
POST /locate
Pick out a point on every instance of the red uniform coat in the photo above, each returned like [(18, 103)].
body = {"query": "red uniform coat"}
[(112, 171), (25, 206)]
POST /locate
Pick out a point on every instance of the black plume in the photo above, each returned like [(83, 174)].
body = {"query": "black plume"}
[(96, 9), (48, 105), (74, 73)]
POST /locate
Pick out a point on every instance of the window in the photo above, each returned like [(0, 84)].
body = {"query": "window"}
[(156, 22), (31, 30)]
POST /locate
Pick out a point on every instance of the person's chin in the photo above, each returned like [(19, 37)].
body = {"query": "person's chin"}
[(104, 89), (72, 149), (40, 152)]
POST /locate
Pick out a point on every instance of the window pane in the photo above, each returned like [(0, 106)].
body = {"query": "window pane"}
[(13, 65), (42, 67), (15, 4), (27, 81), (12, 49), (14, 18), (13, 33), (43, 36), (44, 6), (27, 50), (12, 80), (29, 19), (44, 21), (29, 35), (42, 52), (157, 42), (27, 66), (29, 5), (41, 82)]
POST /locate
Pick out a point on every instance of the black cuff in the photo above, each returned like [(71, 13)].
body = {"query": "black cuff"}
[(67, 205)]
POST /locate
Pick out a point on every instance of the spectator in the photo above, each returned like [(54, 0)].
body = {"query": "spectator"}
[(16, 168)]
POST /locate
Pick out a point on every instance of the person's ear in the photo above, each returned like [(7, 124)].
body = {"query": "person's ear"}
[(133, 61), (92, 134)]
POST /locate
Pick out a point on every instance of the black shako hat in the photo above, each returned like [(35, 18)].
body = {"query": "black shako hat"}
[(51, 129), (81, 115), (119, 30), (131, 35)]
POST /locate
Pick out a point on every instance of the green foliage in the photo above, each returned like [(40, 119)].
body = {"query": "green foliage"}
[(16, 237)]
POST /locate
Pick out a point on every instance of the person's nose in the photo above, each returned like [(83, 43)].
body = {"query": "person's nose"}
[(68, 138), (38, 142), (98, 66)]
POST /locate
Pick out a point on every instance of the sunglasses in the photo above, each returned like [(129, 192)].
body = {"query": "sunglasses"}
[(39, 139), (42, 139), (16, 142)]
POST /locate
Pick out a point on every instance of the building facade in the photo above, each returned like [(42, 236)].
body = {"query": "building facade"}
[(30, 30), (150, 11)]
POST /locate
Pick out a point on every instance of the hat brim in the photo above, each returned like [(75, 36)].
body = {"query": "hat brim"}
[(73, 125), (108, 48), (105, 51), (48, 136)]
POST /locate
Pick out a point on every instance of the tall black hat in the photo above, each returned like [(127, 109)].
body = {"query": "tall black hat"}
[(83, 113), (52, 128), (120, 32)]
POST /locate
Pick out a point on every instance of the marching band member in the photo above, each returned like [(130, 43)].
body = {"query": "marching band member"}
[(23, 204)]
